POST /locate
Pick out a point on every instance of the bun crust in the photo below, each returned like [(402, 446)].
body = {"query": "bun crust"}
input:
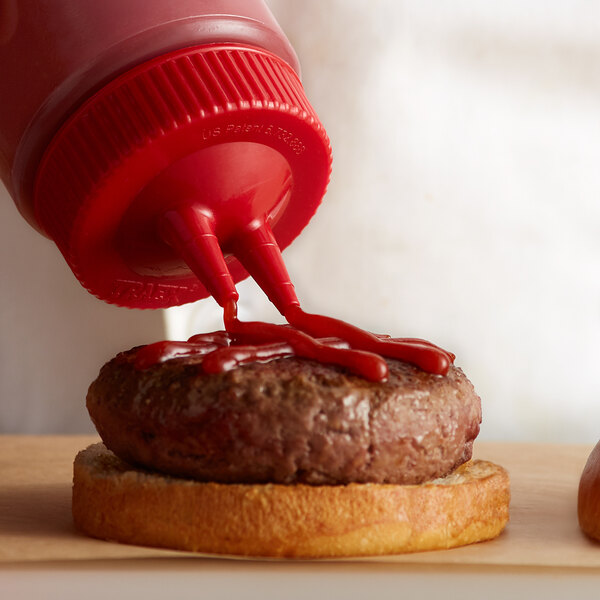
[(114, 501), (588, 497)]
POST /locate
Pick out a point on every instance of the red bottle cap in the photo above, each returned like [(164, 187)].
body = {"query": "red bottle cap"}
[(202, 160)]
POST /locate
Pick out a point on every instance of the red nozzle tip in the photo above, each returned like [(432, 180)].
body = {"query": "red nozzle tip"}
[(191, 233), (257, 249)]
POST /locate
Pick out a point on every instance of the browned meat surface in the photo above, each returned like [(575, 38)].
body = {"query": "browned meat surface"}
[(285, 421)]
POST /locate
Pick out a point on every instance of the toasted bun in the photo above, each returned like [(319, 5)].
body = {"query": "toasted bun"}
[(114, 501)]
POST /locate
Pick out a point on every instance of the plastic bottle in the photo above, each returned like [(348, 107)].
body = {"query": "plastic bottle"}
[(166, 147)]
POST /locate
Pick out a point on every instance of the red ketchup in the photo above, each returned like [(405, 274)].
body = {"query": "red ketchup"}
[(169, 151), (355, 349)]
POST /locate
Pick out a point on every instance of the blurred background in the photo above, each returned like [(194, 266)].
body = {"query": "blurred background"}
[(463, 208)]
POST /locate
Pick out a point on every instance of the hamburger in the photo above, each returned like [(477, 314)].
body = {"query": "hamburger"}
[(286, 457)]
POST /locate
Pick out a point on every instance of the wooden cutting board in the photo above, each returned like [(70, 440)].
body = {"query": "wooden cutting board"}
[(35, 509)]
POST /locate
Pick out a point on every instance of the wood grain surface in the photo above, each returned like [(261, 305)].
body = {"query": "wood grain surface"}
[(36, 525)]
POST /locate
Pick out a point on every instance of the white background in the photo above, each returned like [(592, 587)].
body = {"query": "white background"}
[(464, 208)]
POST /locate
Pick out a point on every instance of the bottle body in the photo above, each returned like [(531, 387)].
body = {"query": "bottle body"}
[(167, 148), (56, 53)]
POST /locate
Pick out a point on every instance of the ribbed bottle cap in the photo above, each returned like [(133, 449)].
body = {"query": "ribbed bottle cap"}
[(221, 132)]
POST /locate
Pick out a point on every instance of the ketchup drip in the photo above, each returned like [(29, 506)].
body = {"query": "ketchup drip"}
[(366, 364), (192, 233), (422, 353), (311, 336)]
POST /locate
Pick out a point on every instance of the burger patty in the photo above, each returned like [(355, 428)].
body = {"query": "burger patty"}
[(287, 421)]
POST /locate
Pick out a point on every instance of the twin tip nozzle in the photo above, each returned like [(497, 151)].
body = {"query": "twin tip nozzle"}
[(191, 231)]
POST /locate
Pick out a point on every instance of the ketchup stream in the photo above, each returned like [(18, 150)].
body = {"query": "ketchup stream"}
[(316, 337)]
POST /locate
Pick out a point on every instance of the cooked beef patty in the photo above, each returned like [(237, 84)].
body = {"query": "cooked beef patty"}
[(285, 421)]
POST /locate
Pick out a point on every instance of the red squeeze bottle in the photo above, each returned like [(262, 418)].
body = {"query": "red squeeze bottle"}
[(167, 147)]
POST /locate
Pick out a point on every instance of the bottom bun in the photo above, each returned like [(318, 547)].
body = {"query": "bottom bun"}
[(114, 501)]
